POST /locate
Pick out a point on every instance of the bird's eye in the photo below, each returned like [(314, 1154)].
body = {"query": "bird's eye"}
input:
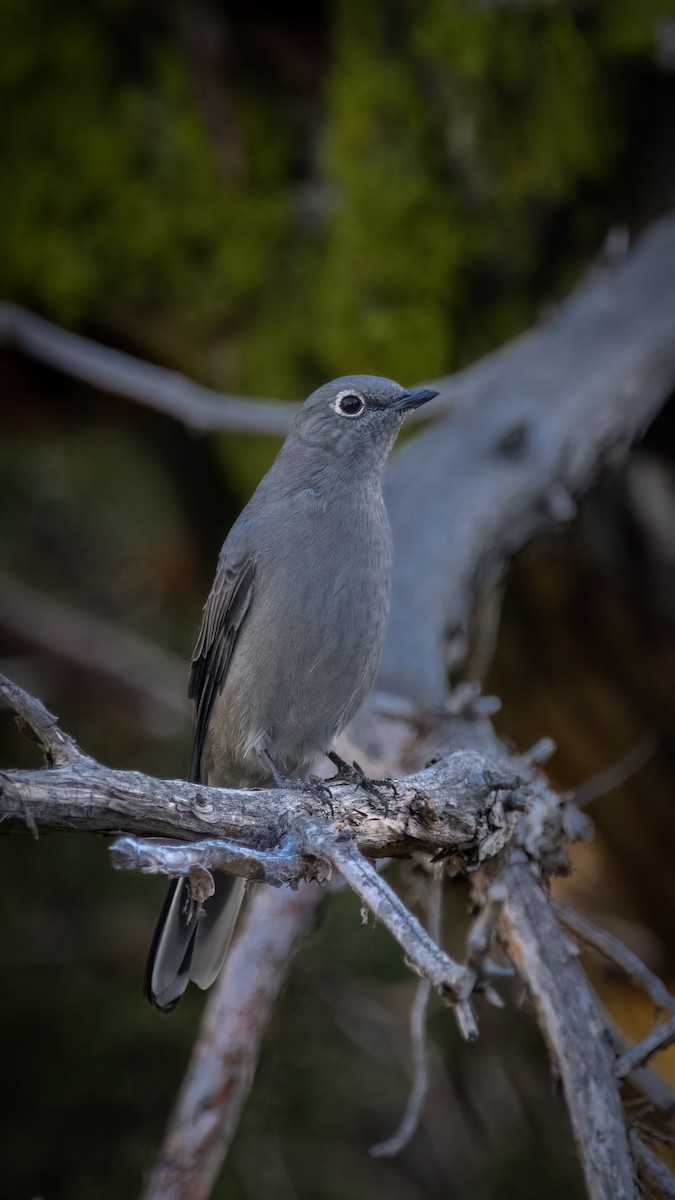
[(350, 404)]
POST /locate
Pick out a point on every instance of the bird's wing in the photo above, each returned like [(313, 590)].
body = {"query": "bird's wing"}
[(224, 612), (183, 947)]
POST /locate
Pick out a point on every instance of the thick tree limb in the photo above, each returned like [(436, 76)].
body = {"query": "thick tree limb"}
[(97, 799), (441, 809), (532, 427), (572, 1024), (267, 834)]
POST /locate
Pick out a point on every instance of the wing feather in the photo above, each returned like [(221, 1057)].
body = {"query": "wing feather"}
[(224, 611), (184, 948)]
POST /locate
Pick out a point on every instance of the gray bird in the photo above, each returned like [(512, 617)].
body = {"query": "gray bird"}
[(291, 634)]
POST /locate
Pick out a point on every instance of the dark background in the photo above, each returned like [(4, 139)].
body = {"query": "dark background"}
[(263, 196)]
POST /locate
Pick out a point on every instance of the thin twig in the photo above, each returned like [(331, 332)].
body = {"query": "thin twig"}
[(39, 724), (420, 1077), (650, 1168), (418, 1038), (636, 1056), (423, 954), (283, 864), (616, 953), (656, 1092), (618, 772)]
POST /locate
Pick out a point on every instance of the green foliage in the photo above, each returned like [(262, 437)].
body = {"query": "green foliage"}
[(455, 137), (392, 246), (116, 204)]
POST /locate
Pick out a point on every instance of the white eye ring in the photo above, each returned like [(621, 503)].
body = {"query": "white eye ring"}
[(341, 396)]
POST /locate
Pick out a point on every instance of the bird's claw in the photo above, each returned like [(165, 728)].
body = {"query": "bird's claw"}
[(356, 775), (314, 786)]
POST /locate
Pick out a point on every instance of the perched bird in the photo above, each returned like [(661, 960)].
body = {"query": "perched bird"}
[(291, 635)]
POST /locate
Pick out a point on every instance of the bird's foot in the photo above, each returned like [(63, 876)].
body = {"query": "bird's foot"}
[(382, 790), (314, 786)]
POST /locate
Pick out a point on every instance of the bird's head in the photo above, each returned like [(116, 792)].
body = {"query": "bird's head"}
[(356, 418)]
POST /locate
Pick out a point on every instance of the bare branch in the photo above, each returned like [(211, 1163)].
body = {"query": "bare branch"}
[(420, 1086), (655, 1091), (479, 941), (284, 864), (636, 1056), (650, 1168), (451, 981), (634, 296), (418, 1038), (223, 1062), (314, 841), (617, 953), (539, 416), (572, 1024), (34, 720), (121, 374), (617, 773), (155, 675), (443, 808)]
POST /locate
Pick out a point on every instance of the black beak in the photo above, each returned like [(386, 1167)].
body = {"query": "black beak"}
[(411, 400)]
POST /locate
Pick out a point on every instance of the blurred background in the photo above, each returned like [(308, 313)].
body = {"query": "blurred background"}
[(264, 195)]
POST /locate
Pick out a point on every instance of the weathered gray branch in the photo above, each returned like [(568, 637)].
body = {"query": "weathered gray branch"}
[(269, 834), (281, 864), (442, 809), (572, 1023), (614, 950), (636, 1056), (650, 1168), (652, 1088), (531, 427), (453, 982), (121, 374), (41, 726)]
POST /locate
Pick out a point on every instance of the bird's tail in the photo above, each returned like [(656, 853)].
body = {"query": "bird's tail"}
[(186, 947)]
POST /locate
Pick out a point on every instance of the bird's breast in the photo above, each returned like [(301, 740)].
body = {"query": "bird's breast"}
[(310, 645)]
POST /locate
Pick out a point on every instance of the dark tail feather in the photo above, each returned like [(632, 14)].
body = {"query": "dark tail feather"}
[(183, 949)]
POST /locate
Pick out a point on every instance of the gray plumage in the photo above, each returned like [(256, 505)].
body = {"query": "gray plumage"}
[(292, 632)]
